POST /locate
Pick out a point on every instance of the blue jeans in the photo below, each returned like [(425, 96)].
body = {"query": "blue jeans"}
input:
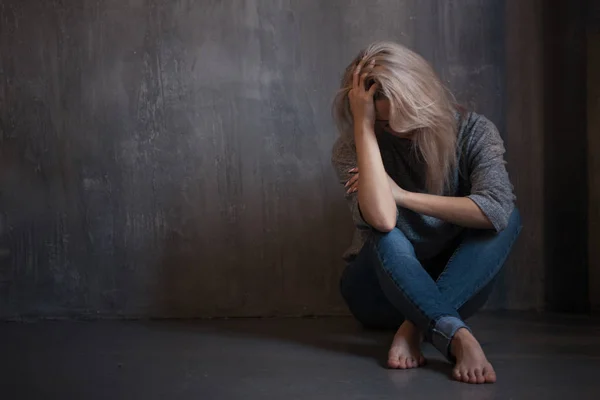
[(386, 283)]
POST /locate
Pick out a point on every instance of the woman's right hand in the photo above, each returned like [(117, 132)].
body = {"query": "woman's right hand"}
[(361, 99)]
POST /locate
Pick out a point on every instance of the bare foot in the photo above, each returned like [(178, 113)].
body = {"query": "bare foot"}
[(471, 364), (405, 351)]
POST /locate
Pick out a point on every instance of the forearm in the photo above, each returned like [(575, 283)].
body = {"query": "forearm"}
[(460, 211), (374, 195)]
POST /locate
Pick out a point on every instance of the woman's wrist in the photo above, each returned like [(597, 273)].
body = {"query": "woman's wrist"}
[(362, 126), (398, 193), (401, 196)]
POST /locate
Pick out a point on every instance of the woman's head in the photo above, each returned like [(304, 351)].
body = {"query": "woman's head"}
[(411, 102)]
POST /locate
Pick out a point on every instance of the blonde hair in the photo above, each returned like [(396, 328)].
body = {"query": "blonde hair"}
[(419, 102)]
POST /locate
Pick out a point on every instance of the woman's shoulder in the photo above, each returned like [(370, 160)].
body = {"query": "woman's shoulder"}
[(476, 128)]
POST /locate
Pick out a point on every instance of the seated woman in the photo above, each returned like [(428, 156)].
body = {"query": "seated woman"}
[(432, 203)]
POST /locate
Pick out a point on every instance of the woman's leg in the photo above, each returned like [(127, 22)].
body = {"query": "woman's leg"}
[(467, 280), (466, 283), (386, 283), (412, 291), (432, 306), (362, 292), (389, 261)]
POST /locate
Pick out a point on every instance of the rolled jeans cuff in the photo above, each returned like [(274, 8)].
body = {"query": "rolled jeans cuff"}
[(443, 331)]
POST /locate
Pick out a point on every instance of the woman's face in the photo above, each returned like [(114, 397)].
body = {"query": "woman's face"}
[(382, 119)]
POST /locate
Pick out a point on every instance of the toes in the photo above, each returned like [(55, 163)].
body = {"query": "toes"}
[(479, 376), (406, 362), (461, 375), (472, 377), (465, 376), (393, 359), (401, 362), (489, 374), (456, 374), (476, 375)]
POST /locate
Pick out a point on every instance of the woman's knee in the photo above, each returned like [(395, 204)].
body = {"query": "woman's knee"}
[(395, 239), (514, 221)]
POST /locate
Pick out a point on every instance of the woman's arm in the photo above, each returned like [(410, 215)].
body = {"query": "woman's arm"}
[(460, 211), (491, 200), (375, 196)]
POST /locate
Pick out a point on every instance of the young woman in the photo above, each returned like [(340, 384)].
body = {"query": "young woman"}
[(432, 203)]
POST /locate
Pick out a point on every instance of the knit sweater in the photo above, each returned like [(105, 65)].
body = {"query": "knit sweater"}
[(480, 174)]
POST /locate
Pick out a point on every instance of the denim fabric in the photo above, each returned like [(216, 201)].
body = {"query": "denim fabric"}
[(386, 283)]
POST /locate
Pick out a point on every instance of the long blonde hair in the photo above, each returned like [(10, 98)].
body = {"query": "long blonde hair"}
[(419, 102)]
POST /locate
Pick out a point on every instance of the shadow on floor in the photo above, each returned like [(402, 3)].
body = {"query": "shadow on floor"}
[(339, 335)]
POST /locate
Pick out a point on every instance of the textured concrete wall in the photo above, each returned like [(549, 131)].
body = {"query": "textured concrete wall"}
[(171, 158)]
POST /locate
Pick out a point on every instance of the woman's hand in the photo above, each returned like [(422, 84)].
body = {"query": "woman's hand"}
[(397, 191), (361, 99), (352, 184)]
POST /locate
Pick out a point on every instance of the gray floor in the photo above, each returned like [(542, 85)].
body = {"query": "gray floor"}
[(536, 357)]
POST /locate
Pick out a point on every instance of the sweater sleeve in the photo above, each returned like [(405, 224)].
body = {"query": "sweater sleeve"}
[(491, 188), (343, 159)]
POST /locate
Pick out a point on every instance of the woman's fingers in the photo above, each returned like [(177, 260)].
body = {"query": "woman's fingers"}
[(363, 79), (360, 75), (358, 80), (352, 180), (373, 89), (369, 71), (352, 184), (353, 188), (356, 77)]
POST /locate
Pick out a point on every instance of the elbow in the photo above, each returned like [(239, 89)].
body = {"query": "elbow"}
[(499, 222), (487, 224), (494, 213), (380, 218), (511, 220), (383, 225), (384, 228), (509, 217), (500, 226)]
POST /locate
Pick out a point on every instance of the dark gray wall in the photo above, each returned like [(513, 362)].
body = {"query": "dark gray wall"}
[(593, 129), (525, 130), (171, 158), (565, 156), (553, 149)]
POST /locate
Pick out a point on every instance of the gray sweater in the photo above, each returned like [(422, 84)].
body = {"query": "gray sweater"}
[(480, 175)]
